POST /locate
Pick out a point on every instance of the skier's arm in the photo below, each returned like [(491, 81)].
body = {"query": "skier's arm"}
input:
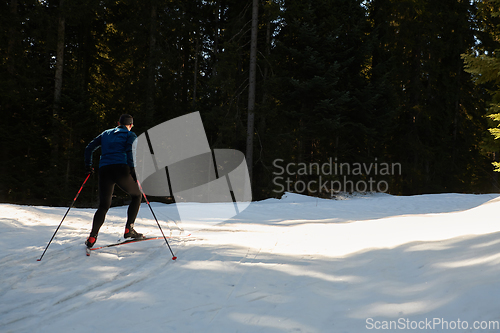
[(89, 150), (131, 149)]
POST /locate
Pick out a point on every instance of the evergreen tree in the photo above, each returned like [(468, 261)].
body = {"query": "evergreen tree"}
[(356, 80), (484, 63), (438, 121), (25, 98), (325, 104)]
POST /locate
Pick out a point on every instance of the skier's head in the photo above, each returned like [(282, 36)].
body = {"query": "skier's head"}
[(126, 119)]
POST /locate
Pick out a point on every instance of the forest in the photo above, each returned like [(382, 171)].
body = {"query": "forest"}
[(406, 86)]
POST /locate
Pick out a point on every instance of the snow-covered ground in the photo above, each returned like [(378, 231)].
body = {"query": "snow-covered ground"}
[(299, 264)]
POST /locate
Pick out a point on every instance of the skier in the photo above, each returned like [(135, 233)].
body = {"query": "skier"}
[(116, 167)]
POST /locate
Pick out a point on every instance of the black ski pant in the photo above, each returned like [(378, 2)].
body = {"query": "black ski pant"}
[(109, 176)]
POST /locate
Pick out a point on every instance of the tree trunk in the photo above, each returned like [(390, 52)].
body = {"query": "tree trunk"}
[(150, 100), (12, 40), (195, 78), (252, 87), (216, 39), (58, 86), (262, 125), (5, 105)]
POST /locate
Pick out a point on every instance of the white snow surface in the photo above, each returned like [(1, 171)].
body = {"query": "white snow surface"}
[(297, 264)]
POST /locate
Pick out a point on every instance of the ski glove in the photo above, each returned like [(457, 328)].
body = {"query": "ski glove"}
[(89, 170)]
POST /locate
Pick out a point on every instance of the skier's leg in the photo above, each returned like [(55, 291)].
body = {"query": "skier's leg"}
[(130, 186), (106, 187)]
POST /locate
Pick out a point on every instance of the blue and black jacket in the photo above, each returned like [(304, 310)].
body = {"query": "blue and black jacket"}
[(117, 147)]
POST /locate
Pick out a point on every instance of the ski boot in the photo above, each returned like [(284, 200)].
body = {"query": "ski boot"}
[(131, 233), (91, 241)]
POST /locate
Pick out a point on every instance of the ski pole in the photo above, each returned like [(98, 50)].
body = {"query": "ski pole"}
[(88, 176), (165, 238)]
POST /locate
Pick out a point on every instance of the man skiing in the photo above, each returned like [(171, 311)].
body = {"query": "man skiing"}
[(116, 167)]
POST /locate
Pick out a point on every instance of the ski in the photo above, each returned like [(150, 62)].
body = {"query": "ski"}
[(87, 251), (128, 241)]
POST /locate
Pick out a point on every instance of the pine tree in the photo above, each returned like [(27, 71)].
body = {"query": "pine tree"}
[(484, 63), (324, 102), (438, 117)]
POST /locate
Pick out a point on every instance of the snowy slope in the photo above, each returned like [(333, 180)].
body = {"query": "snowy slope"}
[(298, 264)]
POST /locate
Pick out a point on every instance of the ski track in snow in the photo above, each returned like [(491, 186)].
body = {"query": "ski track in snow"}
[(298, 264)]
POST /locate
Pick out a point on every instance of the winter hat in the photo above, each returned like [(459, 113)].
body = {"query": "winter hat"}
[(126, 119)]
